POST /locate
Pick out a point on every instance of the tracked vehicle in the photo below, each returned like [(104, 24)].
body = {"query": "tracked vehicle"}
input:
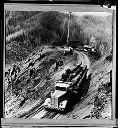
[(67, 92)]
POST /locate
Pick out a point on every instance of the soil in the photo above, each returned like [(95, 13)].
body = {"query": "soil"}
[(25, 98)]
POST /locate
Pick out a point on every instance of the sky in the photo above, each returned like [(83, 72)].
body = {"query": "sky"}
[(91, 13)]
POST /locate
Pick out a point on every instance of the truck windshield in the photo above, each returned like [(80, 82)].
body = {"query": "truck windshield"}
[(60, 88)]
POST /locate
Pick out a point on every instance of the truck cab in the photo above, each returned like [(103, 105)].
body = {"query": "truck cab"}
[(58, 99)]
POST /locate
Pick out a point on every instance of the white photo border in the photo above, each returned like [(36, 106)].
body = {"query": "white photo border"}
[(81, 122)]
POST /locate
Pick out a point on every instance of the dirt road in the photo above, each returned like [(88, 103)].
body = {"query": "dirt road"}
[(84, 107), (81, 109)]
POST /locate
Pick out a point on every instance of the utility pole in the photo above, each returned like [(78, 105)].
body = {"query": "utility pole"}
[(69, 18)]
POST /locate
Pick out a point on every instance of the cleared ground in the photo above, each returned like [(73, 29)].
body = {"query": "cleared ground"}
[(27, 98)]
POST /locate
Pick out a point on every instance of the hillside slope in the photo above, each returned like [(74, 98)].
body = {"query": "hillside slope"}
[(40, 39), (28, 94)]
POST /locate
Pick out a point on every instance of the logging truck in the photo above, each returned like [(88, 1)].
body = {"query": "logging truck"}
[(67, 89)]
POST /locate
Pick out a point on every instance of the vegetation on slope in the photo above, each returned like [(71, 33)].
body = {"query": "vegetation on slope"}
[(14, 20), (99, 27), (50, 28)]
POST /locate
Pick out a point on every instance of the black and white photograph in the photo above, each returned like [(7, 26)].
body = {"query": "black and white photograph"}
[(58, 65)]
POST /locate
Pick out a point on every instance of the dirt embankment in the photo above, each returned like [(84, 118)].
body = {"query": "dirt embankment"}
[(101, 77), (27, 94), (31, 93)]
